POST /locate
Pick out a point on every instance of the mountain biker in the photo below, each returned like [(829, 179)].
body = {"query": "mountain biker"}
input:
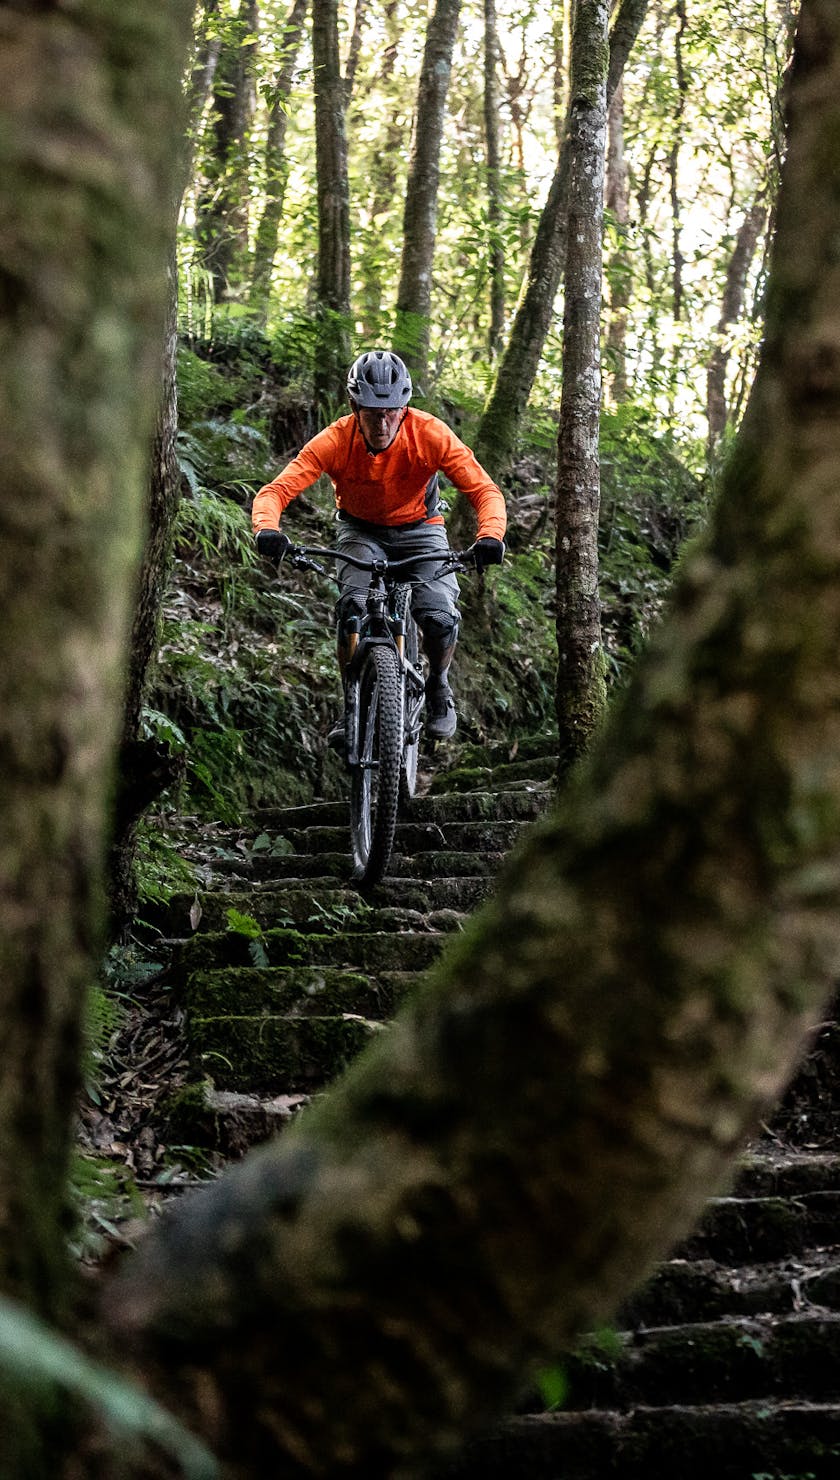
[(383, 460)]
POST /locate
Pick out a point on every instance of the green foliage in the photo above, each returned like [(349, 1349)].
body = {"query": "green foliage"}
[(35, 1359), (161, 870), (553, 1386)]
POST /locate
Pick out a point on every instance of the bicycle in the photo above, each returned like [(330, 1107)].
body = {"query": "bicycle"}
[(384, 695)]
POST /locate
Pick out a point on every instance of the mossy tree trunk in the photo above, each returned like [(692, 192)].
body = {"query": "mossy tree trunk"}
[(493, 149), (222, 214), (549, 1114), (581, 687), (90, 104), (332, 307), (414, 294)]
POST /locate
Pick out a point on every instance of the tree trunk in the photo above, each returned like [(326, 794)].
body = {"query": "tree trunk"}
[(333, 285), (145, 768), (382, 180), (201, 79), (581, 689), (494, 178), (498, 429), (560, 78), (735, 287), (414, 296), (88, 149), (222, 224), (619, 268), (354, 50), (677, 258), (276, 163), (654, 954)]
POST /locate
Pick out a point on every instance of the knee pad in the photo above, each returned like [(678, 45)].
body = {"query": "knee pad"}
[(439, 627)]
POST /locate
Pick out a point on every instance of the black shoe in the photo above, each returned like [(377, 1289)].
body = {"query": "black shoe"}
[(336, 737), (441, 719)]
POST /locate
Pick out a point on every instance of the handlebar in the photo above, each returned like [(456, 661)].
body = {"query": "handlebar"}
[(301, 558)]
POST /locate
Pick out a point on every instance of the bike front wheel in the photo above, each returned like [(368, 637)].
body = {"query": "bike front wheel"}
[(375, 779)]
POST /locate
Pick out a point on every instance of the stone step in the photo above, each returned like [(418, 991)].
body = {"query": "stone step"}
[(761, 1440), (281, 1055), (718, 1361), (300, 990), (261, 867), (306, 904), (415, 838), (369, 951), (481, 777), (470, 806), (737, 1230), (683, 1291)]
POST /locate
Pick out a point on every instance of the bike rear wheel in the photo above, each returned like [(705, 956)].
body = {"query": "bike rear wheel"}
[(375, 779)]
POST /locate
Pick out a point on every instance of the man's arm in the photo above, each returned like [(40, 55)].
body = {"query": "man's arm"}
[(466, 473), (313, 459)]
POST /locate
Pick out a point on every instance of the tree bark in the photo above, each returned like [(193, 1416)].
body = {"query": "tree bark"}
[(354, 50), (549, 1115), (619, 267), (735, 287), (382, 179), (414, 295), (276, 163), (494, 178), (499, 426), (86, 156), (222, 224), (333, 284), (581, 688)]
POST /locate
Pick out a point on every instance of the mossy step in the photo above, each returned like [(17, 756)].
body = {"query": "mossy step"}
[(759, 1440), (229, 1121), (277, 1054), (369, 951), (501, 752), (461, 806), (482, 777), (417, 838), (438, 865), (788, 1173), (797, 1356), (303, 990), (309, 905), (684, 1290), (736, 1229)]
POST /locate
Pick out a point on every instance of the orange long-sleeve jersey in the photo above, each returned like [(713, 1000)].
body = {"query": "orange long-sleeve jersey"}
[(395, 486)]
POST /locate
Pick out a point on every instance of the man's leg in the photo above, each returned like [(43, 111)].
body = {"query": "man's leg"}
[(353, 585), (435, 606)]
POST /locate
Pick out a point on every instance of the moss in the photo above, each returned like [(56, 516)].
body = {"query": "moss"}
[(276, 1054), (369, 952), (304, 990)]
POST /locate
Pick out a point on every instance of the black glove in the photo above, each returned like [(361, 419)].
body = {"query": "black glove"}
[(488, 551), (273, 544)]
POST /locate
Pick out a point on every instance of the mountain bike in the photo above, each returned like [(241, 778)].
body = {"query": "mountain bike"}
[(384, 696)]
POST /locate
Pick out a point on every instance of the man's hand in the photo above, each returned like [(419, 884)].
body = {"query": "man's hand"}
[(273, 544), (488, 551)]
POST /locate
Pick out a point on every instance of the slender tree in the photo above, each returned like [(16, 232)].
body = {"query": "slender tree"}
[(494, 177), (581, 688), (497, 431), (619, 268), (414, 295), (734, 291), (222, 218), (333, 282), (276, 162)]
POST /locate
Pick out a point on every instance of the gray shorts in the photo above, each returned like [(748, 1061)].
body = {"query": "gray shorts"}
[(434, 602)]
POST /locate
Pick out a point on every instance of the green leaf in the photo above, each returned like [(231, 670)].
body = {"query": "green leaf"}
[(35, 1355)]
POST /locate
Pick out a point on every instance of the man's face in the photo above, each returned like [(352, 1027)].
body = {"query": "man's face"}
[(379, 426)]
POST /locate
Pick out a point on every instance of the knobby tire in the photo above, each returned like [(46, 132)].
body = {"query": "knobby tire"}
[(375, 789)]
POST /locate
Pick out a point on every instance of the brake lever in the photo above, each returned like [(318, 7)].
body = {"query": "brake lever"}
[(303, 562)]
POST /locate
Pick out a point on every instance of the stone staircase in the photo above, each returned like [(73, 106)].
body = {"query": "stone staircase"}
[(727, 1364)]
